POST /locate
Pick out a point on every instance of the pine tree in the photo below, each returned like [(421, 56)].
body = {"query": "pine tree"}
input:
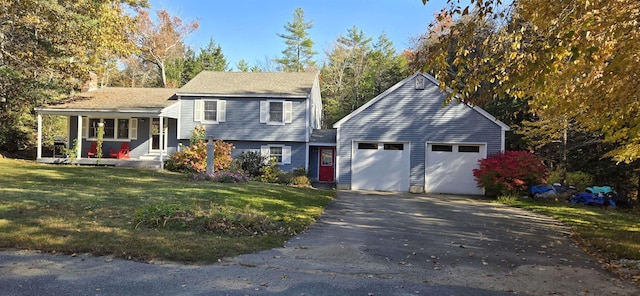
[(298, 56)]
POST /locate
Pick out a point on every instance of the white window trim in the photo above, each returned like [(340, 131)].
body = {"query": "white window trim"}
[(287, 112), (198, 111), (133, 129), (265, 150)]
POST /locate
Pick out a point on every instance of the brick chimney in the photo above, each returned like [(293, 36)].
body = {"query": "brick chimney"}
[(91, 84)]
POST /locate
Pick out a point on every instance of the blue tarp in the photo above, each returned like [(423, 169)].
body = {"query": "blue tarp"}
[(587, 198)]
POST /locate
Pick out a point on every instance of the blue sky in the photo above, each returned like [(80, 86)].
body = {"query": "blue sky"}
[(246, 29)]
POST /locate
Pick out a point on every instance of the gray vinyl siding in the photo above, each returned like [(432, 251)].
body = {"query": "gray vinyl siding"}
[(171, 111), (243, 121), (298, 151), (416, 117)]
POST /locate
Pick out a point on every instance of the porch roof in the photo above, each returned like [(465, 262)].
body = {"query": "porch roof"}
[(323, 137), (114, 100)]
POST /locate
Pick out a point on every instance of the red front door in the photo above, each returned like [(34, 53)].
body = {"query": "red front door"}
[(327, 165)]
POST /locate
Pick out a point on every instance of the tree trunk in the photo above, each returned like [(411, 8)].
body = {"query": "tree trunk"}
[(163, 73)]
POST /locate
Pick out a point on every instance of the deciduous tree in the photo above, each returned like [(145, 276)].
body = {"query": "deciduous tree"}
[(162, 41), (568, 56), (47, 49)]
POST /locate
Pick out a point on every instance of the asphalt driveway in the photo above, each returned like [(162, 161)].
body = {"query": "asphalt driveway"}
[(366, 243)]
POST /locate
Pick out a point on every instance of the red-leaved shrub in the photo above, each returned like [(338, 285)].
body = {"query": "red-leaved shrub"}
[(510, 172)]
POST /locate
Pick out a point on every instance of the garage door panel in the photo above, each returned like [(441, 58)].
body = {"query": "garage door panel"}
[(452, 171), (380, 169)]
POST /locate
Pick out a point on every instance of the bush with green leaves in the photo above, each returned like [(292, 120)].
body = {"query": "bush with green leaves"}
[(298, 177), (251, 162), (271, 173), (300, 181), (580, 180), (510, 172)]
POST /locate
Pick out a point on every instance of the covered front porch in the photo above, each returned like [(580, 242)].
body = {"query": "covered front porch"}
[(139, 128)]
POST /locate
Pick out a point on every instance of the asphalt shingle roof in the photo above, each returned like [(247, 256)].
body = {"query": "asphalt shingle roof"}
[(114, 98), (323, 136), (248, 83)]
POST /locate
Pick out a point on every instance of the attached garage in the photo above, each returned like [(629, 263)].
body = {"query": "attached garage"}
[(405, 139), (449, 167), (380, 166)]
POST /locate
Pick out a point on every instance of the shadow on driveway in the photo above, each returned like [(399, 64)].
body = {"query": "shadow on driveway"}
[(366, 243)]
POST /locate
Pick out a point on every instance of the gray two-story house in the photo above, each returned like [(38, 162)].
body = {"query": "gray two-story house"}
[(271, 113), (402, 140), (275, 114)]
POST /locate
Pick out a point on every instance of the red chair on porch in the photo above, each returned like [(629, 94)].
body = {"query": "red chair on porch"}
[(122, 153), (93, 150)]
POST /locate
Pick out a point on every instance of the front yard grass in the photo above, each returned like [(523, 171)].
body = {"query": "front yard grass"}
[(609, 234), (74, 209)]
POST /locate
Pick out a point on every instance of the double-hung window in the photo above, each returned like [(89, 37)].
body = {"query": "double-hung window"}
[(123, 128), (209, 111), (109, 128), (276, 112), (280, 153), (275, 153)]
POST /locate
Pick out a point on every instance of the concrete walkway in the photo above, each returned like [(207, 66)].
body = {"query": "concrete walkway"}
[(366, 243)]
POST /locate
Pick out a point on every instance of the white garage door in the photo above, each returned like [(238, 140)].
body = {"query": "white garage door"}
[(450, 168), (380, 166)]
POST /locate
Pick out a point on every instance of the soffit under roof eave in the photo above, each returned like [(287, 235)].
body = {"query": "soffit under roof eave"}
[(102, 112), (319, 144)]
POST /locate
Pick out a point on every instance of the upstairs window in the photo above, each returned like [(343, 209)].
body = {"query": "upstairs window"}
[(209, 111), (276, 112)]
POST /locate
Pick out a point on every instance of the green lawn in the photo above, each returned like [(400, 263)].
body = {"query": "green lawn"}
[(74, 209), (604, 232)]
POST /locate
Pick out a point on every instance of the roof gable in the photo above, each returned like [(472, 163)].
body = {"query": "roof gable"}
[(250, 84), (409, 79)]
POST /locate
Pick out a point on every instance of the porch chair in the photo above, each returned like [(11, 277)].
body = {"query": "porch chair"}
[(93, 150), (122, 153)]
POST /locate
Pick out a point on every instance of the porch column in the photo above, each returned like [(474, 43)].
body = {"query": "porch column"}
[(39, 151), (79, 138), (161, 142)]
